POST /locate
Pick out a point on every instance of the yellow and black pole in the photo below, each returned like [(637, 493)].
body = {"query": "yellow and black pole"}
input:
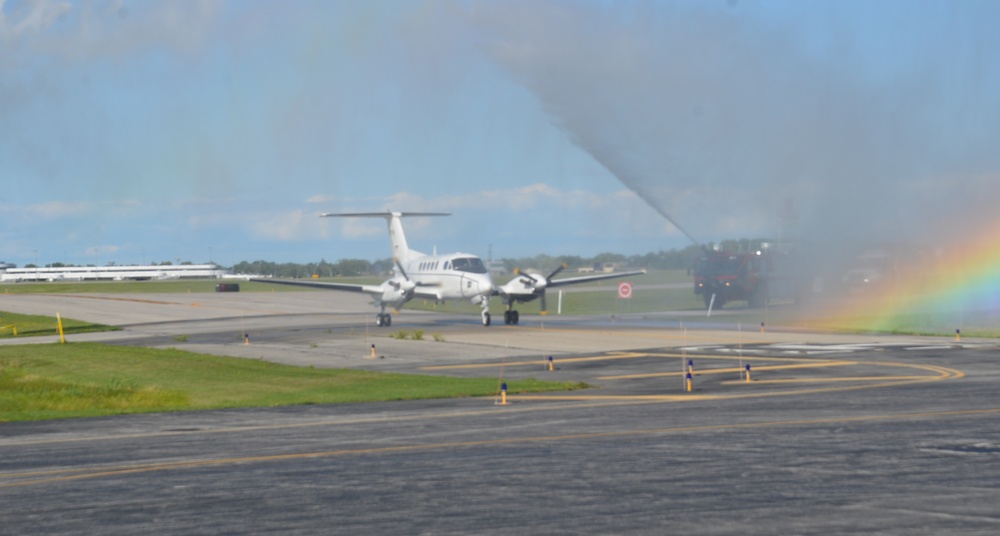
[(748, 371), (62, 335), (503, 394), (688, 382), (551, 364)]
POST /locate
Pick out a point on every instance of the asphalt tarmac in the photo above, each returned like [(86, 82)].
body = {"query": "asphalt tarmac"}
[(833, 434)]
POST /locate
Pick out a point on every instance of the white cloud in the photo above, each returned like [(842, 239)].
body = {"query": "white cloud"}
[(54, 210), (29, 17), (322, 198), (290, 226), (89, 30), (520, 199)]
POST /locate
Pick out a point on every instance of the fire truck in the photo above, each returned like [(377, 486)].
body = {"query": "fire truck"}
[(721, 277)]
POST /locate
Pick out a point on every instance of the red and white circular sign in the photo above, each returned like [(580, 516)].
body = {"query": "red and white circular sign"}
[(625, 291)]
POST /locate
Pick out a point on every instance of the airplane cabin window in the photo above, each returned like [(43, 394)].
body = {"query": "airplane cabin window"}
[(471, 264)]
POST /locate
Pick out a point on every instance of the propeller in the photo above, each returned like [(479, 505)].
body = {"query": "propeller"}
[(540, 283), (408, 284)]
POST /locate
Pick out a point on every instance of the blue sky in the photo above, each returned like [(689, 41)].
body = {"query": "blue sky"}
[(135, 131)]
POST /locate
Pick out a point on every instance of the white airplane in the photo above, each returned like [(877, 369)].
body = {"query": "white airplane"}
[(451, 276)]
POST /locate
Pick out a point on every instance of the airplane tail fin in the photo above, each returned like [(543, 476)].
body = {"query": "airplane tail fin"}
[(400, 249)]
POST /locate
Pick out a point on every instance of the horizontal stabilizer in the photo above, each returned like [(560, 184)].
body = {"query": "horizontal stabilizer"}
[(380, 214)]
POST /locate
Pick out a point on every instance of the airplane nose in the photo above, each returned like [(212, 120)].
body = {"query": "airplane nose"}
[(475, 285), (485, 286)]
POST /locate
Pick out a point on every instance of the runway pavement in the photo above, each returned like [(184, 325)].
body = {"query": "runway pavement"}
[(833, 434)]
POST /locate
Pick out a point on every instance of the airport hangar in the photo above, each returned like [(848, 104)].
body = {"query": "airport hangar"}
[(12, 274)]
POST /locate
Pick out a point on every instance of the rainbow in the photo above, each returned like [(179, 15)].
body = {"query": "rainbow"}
[(957, 288)]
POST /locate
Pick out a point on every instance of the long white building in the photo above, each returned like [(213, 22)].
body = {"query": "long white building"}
[(113, 273)]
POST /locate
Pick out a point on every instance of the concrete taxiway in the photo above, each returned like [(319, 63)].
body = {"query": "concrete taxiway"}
[(834, 434)]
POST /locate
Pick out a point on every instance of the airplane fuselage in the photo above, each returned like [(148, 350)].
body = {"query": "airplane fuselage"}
[(453, 276)]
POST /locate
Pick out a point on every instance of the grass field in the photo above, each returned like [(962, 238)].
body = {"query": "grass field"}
[(35, 325), (81, 380)]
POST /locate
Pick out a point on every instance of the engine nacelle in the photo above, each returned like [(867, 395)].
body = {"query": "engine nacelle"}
[(395, 289)]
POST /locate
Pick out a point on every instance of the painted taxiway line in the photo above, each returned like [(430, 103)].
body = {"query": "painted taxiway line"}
[(731, 370), (611, 356), (941, 373), (127, 469), (538, 362)]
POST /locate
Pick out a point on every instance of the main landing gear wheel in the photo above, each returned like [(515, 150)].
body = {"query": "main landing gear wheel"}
[(383, 320), (486, 320), (511, 317)]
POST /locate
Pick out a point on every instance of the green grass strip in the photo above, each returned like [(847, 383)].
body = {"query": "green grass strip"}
[(38, 325), (88, 379)]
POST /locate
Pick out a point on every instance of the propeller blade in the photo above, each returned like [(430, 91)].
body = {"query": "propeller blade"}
[(542, 297), (401, 270), (553, 274), (529, 275)]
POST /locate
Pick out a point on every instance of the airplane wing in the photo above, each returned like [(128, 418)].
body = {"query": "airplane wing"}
[(526, 287), (383, 291), (368, 289), (588, 278)]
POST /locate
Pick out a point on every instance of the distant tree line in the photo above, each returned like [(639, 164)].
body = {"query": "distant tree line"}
[(341, 268), (673, 259)]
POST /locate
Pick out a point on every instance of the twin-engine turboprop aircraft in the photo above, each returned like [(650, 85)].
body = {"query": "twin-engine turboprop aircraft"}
[(451, 276)]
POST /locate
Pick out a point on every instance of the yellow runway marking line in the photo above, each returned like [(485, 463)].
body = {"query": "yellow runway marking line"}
[(537, 362), (610, 356), (635, 398), (942, 373), (692, 336), (747, 358), (115, 298), (155, 467), (598, 402), (831, 380), (732, 370)]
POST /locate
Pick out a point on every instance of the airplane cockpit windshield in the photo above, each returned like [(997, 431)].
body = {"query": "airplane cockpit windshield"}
[(470, 264)]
